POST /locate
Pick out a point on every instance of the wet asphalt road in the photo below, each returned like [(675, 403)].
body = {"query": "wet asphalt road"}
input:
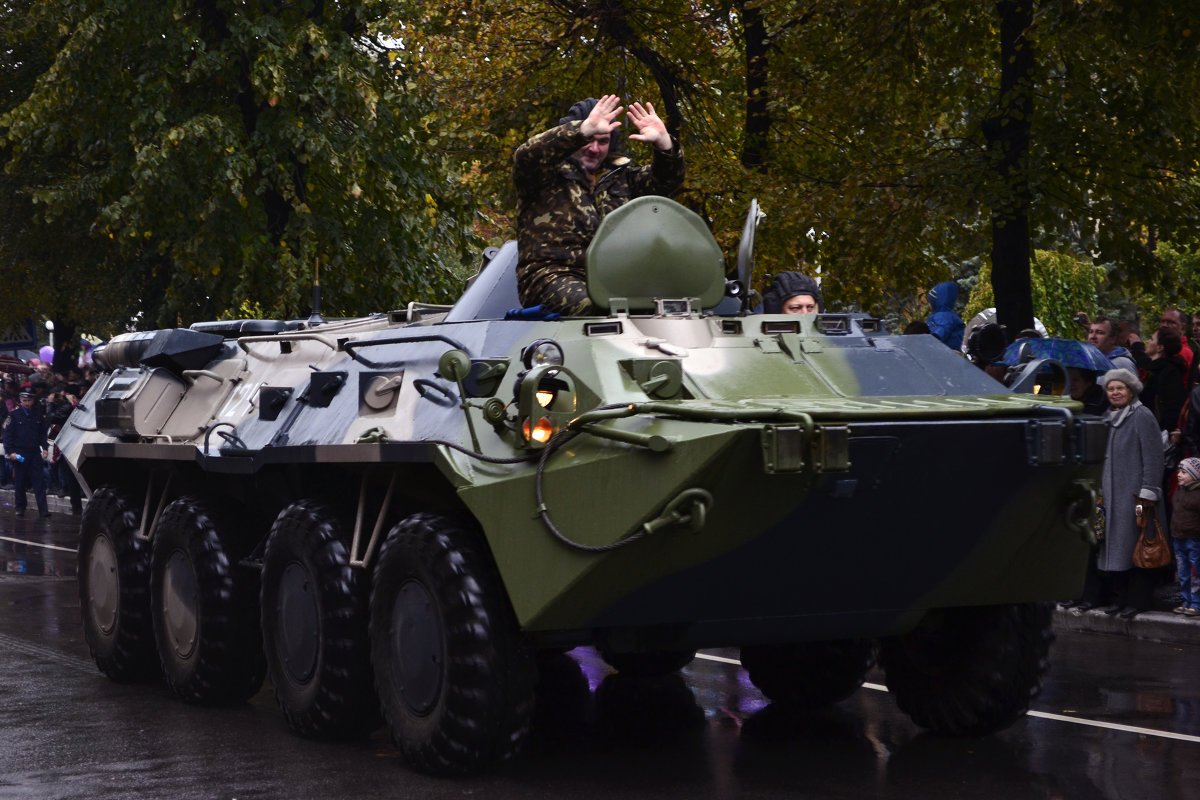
[(1118, 718)]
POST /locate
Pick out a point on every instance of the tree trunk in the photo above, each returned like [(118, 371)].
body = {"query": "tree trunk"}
[(613, 19), (66, 346), (1008, 134), (758, 116)]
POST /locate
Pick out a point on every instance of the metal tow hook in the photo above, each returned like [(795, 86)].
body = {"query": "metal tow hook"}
[(699, 501)]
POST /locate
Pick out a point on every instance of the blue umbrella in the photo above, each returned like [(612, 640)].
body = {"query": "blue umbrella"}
[(1068, 352)]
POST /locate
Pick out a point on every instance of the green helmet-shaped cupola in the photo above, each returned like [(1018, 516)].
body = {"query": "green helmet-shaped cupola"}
[(652, 249)]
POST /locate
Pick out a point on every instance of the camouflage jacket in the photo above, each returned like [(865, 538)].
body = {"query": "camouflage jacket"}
[(559, 208)]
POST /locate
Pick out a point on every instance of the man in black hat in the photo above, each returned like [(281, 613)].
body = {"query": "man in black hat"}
[(793, 293), (25, 446), (567, 179)]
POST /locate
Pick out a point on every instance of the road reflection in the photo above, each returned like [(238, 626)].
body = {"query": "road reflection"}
[(22, 553), (710, 729), (704, 732)]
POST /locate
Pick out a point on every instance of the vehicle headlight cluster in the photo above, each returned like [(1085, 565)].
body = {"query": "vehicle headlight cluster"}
[(547, 394), (546, 401)]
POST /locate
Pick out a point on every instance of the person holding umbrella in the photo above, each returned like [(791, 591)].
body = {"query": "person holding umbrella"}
[(1069, 352), (1084, 363), (1086, 389)]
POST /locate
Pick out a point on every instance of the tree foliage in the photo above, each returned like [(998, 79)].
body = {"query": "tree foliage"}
[(888, 142), (1062, 286), (210, 152), (1176, 287), (214, 153)]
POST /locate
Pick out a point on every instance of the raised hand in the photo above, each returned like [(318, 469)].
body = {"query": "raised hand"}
[(651, 129), (603, 117)]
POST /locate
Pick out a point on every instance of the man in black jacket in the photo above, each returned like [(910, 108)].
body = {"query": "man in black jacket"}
[(25, 446), (56, 417)]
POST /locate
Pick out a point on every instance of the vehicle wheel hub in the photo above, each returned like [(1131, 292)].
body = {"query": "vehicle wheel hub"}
[(416, 643), (104, 585), (298, 617), (180, 601)]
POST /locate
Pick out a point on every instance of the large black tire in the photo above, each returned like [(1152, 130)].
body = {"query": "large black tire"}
[(204, 607), (648, 665), (455, 684), (114, 588), (314, 623), (970, 671), (809, 675)]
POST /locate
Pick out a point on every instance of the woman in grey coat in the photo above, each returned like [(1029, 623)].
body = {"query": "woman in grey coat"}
[(1133, 468)]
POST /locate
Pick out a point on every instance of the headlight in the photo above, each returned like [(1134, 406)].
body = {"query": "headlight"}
[(542, 352), (538, 432), (549, 388)]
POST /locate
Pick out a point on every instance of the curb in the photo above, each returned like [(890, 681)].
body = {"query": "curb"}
[(54, 503), (1151, 626)]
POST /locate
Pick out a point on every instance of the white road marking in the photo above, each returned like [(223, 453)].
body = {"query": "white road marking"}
[(1092, 723), (721, 659), (1113, 726), (37, 544)]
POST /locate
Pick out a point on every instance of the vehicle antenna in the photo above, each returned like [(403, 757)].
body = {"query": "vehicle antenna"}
[(315, 317)]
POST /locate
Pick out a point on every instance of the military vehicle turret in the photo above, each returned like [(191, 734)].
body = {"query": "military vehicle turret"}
[(399, 512)]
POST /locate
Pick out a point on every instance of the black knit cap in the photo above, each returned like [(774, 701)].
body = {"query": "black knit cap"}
[(789, 284), (580, 112)]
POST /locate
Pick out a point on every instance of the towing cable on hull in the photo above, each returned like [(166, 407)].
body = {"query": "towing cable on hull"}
[(697, 500), (688, 508)]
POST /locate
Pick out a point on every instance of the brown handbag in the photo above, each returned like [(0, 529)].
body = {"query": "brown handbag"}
[(1152, 549)]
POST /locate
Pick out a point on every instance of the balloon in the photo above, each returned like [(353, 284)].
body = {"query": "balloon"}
[(46, 354)]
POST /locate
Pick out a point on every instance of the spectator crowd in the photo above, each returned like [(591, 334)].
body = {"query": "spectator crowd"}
[(54, 395), (1148, 390), (1151, 477)]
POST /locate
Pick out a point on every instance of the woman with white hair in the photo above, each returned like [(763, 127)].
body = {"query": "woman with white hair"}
[(1132, 476)]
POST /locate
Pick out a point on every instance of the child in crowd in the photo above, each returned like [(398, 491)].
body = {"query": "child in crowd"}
[(1185, 528)]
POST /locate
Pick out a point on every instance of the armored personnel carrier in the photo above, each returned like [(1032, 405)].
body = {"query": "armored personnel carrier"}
[(399, 512)]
